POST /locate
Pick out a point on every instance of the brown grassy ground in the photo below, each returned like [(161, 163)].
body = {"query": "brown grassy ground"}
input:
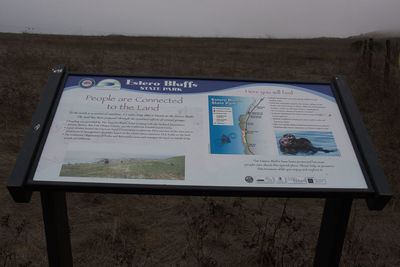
[(126, 230)]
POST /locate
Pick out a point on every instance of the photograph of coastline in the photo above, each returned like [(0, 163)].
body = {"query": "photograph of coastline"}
[(120, 165)]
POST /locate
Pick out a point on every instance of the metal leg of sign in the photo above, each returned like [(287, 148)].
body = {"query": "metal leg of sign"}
[(332, 231), (55, 219)]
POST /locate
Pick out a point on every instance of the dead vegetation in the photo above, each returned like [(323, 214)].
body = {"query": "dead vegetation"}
[(121, 230)]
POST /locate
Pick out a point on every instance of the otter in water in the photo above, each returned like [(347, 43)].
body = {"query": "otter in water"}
[(289, 144)]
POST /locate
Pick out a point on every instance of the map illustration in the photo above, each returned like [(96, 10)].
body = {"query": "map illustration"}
[(251, 125), (240, 125)]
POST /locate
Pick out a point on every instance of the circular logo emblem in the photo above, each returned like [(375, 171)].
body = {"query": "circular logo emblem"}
[(86, 83), (249, 179)]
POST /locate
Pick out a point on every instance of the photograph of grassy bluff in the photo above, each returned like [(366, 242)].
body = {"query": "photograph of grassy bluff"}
[(133, 167)]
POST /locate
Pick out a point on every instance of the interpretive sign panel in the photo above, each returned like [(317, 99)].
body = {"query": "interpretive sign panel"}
[(194, 136), (199, 132)]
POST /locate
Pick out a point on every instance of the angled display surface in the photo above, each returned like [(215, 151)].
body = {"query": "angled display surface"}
[(198, 132), (194, 136)]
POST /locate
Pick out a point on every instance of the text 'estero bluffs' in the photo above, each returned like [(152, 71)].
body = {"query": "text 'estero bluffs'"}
[(169, 85)]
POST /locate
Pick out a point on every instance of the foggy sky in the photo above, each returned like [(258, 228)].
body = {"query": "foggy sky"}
[(199, 18)]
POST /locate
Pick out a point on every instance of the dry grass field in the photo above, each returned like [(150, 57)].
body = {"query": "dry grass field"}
[(142, 230)]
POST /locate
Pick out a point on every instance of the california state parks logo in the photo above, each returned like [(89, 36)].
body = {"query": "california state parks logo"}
[(87, 83)]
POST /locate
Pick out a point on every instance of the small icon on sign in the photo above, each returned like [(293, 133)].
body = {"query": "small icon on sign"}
[(86, 83), (249, 179), (281, 180), (269, 180), (108, 84)]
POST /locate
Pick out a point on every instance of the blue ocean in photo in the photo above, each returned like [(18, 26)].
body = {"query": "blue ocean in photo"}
[(324, 140)]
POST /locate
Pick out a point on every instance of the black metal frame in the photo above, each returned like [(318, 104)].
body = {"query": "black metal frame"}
[(363, 146), (19, 176), (27, 166), (337, 207)]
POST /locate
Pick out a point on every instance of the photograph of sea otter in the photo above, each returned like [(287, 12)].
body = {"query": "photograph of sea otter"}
[(306, 143)]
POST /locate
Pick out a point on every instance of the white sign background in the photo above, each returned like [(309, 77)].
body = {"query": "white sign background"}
[(201, 167)]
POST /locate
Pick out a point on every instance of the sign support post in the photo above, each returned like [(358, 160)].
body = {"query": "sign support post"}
[(332, 231), (55, 219)]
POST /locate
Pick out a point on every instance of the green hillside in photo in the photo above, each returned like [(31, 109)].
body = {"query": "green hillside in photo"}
[(172, 168)]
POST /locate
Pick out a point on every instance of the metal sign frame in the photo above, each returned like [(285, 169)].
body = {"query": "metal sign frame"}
[(337, 208)]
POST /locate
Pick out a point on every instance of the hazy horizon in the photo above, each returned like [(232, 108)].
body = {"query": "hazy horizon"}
[(206, 18)]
